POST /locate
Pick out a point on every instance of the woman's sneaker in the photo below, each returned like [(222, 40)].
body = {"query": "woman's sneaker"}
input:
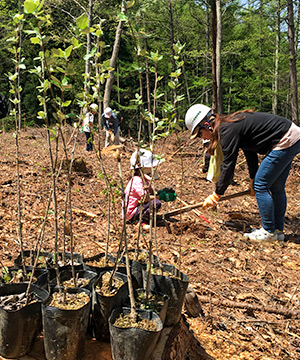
[(261, 235), (280, 235)]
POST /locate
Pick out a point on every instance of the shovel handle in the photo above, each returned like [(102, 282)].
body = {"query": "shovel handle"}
[(195, 206)]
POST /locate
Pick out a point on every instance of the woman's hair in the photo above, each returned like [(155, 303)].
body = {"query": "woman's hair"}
[(216, 122)]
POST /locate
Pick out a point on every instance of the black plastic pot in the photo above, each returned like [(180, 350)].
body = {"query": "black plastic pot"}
[(64, 260), (88, 262), (160, 309), (18, 329), (100, 269), (40, 276), (137, 267), (133, 343), (174, 287), (103, 306), (67, 275), (65, 330), (31, 254)]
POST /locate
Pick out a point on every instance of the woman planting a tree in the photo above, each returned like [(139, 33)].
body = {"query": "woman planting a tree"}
[(255, 133)]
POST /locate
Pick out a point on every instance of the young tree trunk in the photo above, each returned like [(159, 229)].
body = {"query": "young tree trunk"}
[(148, 91), (276, 69), (292, 61), (213, 53), (171, 25), (113, 59), (260, 54), (297, 25), (88, 48), (207, 46), (218, 57)]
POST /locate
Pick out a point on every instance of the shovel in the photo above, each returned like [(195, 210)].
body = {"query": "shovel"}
[(195, 206)]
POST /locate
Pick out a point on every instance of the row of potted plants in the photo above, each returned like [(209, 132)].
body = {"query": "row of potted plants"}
[(92, 298)]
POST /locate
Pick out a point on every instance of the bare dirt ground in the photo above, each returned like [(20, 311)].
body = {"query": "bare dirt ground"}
[(249, 291)]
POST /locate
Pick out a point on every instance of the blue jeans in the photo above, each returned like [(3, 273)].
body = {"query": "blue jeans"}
[(269, 186), (89, 141)]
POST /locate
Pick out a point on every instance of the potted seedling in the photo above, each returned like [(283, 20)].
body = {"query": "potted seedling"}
[(20, 304), (169, 280), (133, 332), (20, 317), (65, 322)]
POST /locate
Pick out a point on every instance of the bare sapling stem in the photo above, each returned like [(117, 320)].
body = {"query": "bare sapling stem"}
[(133, 313), (68, 203), (99, 157), (16, 91)]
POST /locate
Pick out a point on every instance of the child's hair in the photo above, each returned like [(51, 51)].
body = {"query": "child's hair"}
[(137, 172)]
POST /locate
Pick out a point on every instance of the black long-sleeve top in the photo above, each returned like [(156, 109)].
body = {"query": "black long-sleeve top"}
[(255, 134), (112, 123)]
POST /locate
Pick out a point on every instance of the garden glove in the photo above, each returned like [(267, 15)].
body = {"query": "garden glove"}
[(167, 194), (211, 201), (252, 192)]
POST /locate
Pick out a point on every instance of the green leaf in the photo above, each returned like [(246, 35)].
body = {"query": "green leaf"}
[(30, 6), (86, 30), (52, 131), (171, 85), (66, 103), (11, 39), (58, 52), (18, 17), (68, 51), (177, 127), (82, 21), (55, 81), (122, 17), (13, 77), (35, 40), (173, 74), (41, 115), (129, 4), (65, 81), (67, 87)]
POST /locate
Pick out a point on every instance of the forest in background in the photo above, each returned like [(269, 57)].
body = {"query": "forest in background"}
[(170, 54)]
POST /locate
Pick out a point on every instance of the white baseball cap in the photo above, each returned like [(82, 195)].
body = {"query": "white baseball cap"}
[(94, 106), (143, 158), (108, 112)]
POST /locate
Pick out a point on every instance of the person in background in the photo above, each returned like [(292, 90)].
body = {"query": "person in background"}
[(255, 133), (144, 164), (111, 124), (88, 123)]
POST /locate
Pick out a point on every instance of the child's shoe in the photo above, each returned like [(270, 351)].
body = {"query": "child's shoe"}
[(261, 235), (145, 227)]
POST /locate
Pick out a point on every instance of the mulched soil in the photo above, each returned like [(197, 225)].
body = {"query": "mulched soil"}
[(256, 284)]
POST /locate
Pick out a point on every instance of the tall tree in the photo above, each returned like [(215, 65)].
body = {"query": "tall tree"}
[(171, 29), (292, 61), (218, 56), (215, 105), (114, 58), (89, 13), (276, 67)]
